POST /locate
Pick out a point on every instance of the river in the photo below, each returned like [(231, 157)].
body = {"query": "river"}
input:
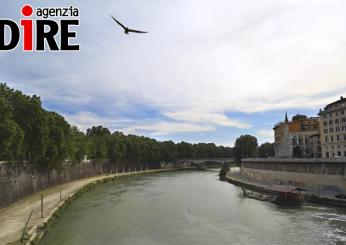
[(186, 208)]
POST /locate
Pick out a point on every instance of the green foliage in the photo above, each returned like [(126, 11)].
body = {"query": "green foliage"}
[(59, 139), (245, 147), (11, 134), (44, 139), (266, 150), (99, 138), (28, 133), (223, 172)]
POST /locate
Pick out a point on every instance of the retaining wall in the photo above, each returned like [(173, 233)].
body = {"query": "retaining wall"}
[(324, 174), (19, 181)]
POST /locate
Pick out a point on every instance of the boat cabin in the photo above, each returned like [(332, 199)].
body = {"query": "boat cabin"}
[(287, 195)]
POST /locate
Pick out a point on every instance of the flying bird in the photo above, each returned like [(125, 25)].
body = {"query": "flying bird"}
[(126, 29)]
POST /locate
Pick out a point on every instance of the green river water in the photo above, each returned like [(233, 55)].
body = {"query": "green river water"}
[(187, 208)]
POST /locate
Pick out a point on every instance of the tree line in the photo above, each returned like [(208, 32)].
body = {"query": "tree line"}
[(45, 140)]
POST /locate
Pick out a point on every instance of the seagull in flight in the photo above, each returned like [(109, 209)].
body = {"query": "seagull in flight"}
[(126, 29)]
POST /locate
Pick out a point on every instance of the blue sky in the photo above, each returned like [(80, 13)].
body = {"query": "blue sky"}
[(207, 71)]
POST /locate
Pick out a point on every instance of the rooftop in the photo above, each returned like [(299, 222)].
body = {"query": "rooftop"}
[(335, 103)]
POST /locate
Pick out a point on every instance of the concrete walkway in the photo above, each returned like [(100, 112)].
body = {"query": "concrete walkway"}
[(14, 217)]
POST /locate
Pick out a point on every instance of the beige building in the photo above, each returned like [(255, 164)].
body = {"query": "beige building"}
[(333, 129), (297, 138)]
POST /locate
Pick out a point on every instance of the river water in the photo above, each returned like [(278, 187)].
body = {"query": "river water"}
[(186, 208)]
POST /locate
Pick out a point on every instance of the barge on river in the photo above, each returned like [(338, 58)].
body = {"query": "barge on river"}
[(282, 195), (287, 195)]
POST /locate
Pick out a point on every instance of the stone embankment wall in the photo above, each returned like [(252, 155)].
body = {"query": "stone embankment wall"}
[(323, 174), (18, 181)]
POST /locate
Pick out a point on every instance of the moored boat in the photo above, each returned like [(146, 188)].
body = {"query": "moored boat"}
[(257, 195), (287, 195)]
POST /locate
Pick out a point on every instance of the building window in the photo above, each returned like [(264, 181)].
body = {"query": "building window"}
[(344, 153), (337, 129), (326, 138), (342, 112), (325, 123), (332, 138), (336, 120), (327, 154), (339, 153), (338, 138), (326, 131), (336, 113), (344, 136), (331, 130), (330, 122), (330, 115), (343, 119)]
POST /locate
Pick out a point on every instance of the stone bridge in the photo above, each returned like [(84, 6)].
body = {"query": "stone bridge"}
[(204, 162)]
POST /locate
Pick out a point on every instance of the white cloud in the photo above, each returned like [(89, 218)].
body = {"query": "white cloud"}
[(85, 120), (266, 135), (200, 61), (166, 128), (207, 118)]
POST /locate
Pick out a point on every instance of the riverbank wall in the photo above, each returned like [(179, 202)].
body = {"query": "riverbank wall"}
[(19, 181), (312, 197), (321, 175)]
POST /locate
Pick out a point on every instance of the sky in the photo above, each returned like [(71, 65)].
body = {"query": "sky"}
[(207, 71)]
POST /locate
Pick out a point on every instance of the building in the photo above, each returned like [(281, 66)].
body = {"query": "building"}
[(333, 129), (297, 138)]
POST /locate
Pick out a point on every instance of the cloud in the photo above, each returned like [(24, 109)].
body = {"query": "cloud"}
[(266, 135), (129, 126), (85, 120), (188, 74), (207, 118), (166, 128)]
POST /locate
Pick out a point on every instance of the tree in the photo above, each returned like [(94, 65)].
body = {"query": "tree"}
[(79, 146), (266, 150), (169, 151), (10, 133), (245, 147), (11, 140), (59, 140), (99, 139), (185, 150), (44, 140)]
